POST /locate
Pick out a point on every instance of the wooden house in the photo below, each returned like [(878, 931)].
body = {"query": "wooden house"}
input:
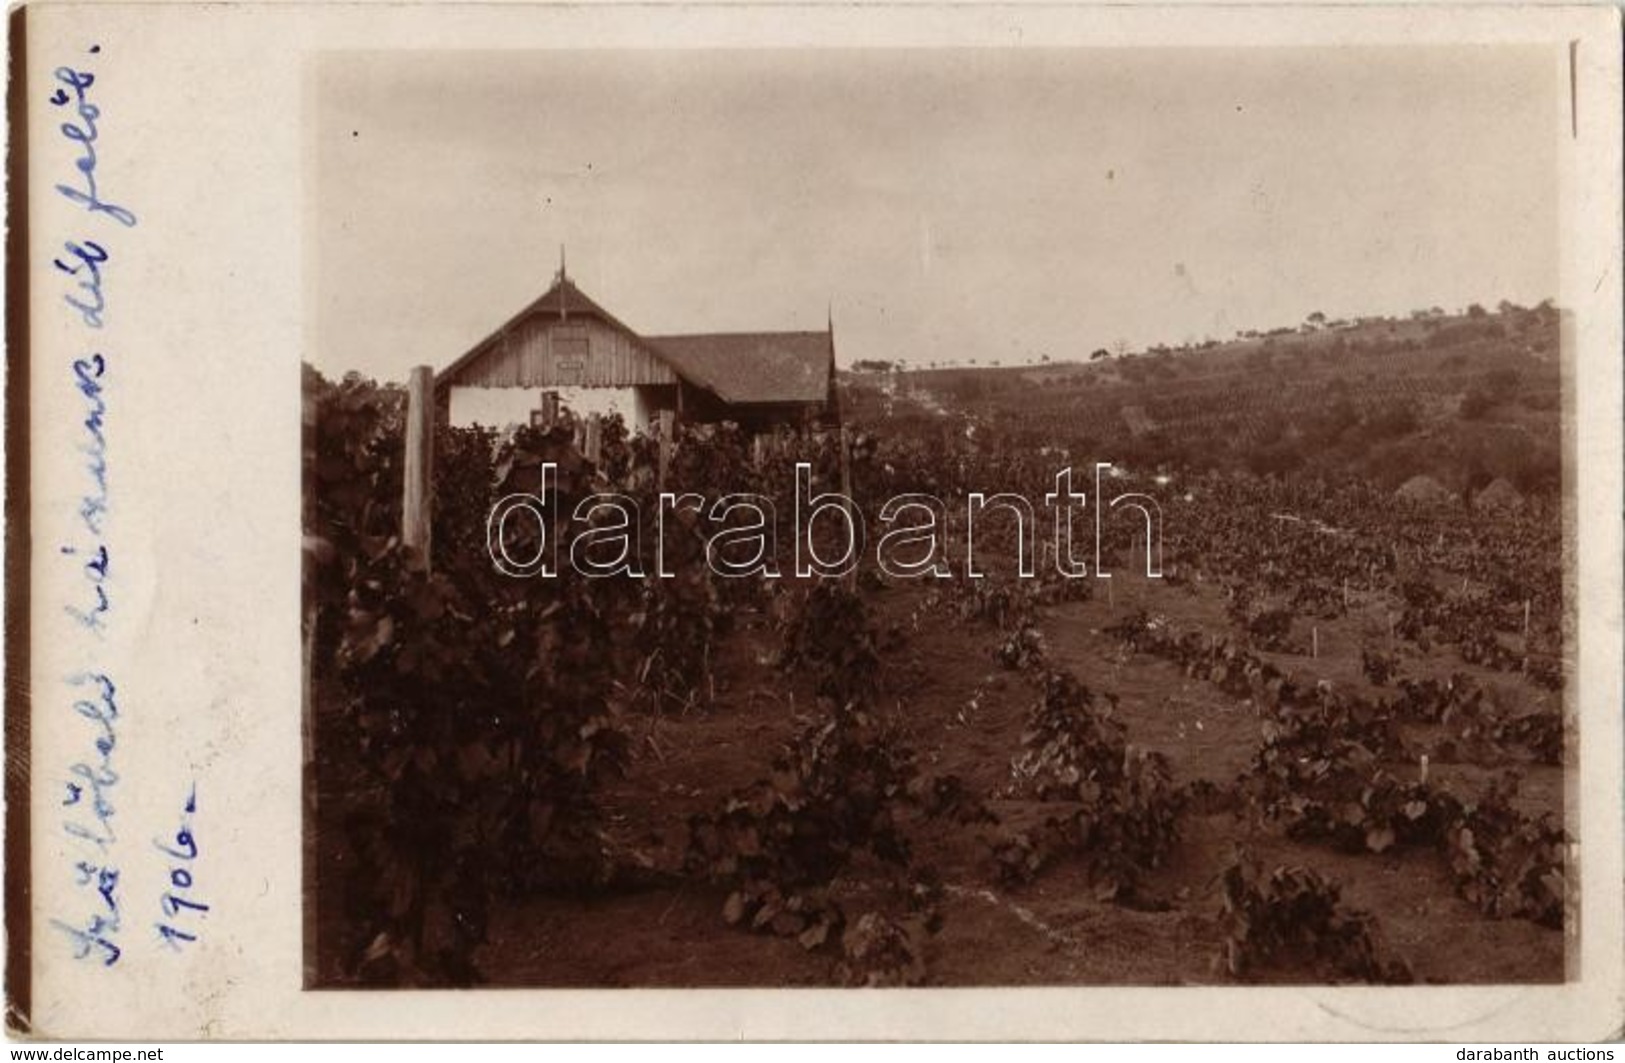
[(566, 343)]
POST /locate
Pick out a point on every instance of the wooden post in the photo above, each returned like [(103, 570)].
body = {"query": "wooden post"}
[(665, 447), (1526, 624), (757, 450), (1314, 642), (419, 462), (846, 465), (595, 437), (846, 492), (550, 410)]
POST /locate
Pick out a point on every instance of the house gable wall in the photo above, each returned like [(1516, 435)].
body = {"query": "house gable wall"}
[(543, 351)]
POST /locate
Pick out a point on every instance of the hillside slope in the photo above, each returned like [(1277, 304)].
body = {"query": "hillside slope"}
[(1465, 399)]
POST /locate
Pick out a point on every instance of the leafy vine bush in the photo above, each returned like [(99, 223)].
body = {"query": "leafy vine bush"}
[(675, 622), (1457, 703), (1022, 649), (674, 630), (464, 489), (475, 714), (1541, 733), (483, 763), (1294, 919), (995, 601), (1475, 730), (1268, 626), (1011, 605), (475, 711), (826, 630), (352, 489), (1474, 625), (1319, 599), (1379, 667), (879, 951), (838, 791), (1330, 789), (1126, 807), (1319, 769), (1507, 864)]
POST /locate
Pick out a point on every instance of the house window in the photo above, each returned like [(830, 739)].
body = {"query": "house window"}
[(569, 342), (569, 353)]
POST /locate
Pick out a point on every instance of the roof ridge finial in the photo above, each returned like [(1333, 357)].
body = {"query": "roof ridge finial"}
[(563, 282)]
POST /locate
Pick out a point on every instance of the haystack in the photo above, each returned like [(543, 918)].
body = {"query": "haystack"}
[(1498, 495), (1424, 490)]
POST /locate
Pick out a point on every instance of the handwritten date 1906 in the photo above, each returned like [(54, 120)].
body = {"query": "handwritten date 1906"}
[(181, 910)]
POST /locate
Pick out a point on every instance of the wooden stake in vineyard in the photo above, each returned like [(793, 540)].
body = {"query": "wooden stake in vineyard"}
[(850, 579), (665, 447), (595, 438), (419, 464)]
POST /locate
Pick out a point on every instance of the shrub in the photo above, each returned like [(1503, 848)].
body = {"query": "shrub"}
[(1125, 806), (1294, 918)]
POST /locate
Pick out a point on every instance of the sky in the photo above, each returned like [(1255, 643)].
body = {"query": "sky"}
[(940, 205)]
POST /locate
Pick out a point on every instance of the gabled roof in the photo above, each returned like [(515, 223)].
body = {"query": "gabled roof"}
[(744, 367), (738, 367), (562, 296)]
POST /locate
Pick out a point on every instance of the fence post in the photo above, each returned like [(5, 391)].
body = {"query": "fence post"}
[(851, 578), (846, 464), (595, 437), (665, 446), (419, 462), (550, 410)]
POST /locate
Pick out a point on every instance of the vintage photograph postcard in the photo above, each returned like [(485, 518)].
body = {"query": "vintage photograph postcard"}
[(814, 522)]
